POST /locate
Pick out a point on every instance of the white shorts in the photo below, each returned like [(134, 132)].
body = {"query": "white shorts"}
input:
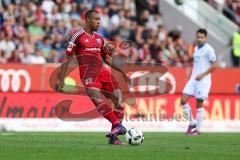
[(198, 89)]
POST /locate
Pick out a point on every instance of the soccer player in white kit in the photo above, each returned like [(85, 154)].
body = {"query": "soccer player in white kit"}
[(199, 84)]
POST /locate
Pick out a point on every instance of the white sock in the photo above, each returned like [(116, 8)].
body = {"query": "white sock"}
[(199, 117), (188, 113)]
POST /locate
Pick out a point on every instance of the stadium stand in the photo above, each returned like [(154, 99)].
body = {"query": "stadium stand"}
[(230, 8), (35, 32)]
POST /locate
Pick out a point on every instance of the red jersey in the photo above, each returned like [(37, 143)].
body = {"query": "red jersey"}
[(84, 44), (89, 51)]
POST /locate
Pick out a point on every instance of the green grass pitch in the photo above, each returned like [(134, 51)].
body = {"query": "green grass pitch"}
[(93, 146)]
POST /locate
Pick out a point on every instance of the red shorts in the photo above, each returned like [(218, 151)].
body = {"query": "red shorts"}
[(102, 80)]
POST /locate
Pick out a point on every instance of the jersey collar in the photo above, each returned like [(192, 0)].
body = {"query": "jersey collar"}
[(201, 46)]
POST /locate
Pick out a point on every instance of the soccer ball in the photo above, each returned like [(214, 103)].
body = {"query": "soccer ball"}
[(134, 136)]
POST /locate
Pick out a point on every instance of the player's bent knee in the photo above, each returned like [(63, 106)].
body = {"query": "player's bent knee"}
[(93, 95)]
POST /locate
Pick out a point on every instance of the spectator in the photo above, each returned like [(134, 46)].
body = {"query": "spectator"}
[(118, 19), (55, 15), (36, 30), (14, 57), (131, 6), (144, 55), (45, 45), (154, 21), (53, 57), (47, 6), (35, 58), (105, 19), (39, 58), (229, 8), (162, 33), (235, 52), (7, 44), (143, 18), (1, 17), (125, 30), (74, 13), (3, 58)]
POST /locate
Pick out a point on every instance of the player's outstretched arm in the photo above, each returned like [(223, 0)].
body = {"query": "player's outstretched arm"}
[(210, 69), (63, 70)]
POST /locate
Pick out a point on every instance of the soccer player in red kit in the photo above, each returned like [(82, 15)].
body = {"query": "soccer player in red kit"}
[(89, 49)]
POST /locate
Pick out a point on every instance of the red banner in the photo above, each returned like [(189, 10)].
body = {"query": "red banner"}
[(224, 81), (19, 77), (41, 105)]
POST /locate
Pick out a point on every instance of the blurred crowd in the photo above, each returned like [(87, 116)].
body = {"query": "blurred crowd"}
[(37, 31), (230, 8)]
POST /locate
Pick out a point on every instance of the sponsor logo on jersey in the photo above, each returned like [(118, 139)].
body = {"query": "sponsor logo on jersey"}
[(92, 49)]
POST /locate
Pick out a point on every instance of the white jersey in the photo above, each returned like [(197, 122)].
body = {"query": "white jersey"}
[(203, 57)]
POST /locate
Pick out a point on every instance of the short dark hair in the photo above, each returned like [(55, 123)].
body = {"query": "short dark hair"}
[(203, 31), (89, 13)]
